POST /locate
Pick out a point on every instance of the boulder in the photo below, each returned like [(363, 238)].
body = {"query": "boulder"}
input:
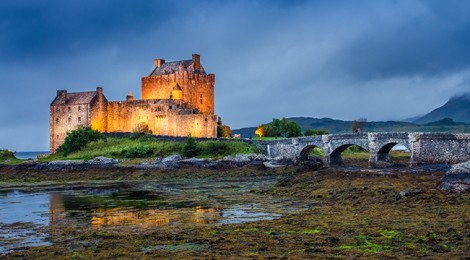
[(457, 178)]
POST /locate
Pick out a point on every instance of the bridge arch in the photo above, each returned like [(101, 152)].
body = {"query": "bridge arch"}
[(383, 154), (305, 153), (335, 156)]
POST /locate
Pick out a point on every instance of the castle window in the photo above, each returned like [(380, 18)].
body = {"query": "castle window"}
[(70, 119), (171, 107), (57, 110), (201, 99), (57, 120), (79, 119), (69, 109), (79, 108)]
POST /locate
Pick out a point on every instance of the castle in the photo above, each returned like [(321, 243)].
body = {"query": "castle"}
[(177, 100)]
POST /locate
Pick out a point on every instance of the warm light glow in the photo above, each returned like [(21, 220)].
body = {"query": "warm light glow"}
[(117, 216), (260, 130)]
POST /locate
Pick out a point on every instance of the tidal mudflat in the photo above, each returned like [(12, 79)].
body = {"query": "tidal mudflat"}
[(331, 213)]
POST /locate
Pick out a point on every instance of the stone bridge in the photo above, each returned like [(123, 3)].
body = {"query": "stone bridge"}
[(430, 148)]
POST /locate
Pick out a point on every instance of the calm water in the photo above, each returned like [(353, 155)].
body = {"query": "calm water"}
[(29, 155), (27, 215)]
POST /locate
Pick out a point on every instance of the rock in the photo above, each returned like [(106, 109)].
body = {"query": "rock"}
[(383, 164), (102, 160), (66, 162), (194, 162), (407, 192), (457, 178), (171, 159)]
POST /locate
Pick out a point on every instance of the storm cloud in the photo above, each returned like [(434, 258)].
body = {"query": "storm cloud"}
[(383, 60)]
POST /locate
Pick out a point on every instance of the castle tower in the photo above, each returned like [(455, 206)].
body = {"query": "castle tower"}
[(196, 86)]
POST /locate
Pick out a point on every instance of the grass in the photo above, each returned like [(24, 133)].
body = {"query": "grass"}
[(126, 148)]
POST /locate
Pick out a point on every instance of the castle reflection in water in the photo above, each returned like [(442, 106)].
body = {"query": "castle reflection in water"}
[(107, 217)]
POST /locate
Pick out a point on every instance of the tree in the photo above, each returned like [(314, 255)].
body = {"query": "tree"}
[(312, 132), (279, 128), (77, 139), (223, 130)]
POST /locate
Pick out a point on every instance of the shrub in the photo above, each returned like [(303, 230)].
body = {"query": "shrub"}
[(6, 154), (215, 148), (191, 148), (77, 139), (138, 152)]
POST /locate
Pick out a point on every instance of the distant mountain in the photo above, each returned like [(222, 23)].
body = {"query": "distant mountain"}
[(457, 108), (335, 126)]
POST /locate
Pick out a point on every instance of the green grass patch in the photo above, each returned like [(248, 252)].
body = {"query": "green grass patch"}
[(144, 147)]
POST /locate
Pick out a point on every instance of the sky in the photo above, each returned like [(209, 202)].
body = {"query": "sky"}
[(377, 59)]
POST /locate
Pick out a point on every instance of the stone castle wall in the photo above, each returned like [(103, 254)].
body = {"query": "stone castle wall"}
[(198, 89), (171, 118), (67, 118)]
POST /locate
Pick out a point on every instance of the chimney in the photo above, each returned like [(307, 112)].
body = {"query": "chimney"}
[(99, 90), (159, 62), (61, 92), (130, 96), (197, 61)]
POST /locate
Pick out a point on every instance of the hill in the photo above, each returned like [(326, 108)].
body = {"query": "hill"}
[(457, 108), (335, 126)]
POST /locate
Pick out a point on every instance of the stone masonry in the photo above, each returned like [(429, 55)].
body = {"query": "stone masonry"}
[(443, 148)]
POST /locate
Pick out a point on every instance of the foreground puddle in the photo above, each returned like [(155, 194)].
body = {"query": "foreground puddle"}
[(28, 215)]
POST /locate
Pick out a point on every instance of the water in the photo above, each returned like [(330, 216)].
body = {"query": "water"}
[(28, 216), (29, 155)]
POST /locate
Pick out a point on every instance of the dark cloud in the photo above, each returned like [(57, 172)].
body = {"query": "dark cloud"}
[(343, 59)]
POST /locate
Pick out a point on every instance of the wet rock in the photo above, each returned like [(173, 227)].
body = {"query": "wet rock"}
[(102, 160), (194, 162), (383, 164), (457, 178), (408, 193), (312, 164), (171, 159)]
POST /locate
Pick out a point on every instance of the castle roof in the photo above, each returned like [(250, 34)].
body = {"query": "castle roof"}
[(174, 66), (75, 98)]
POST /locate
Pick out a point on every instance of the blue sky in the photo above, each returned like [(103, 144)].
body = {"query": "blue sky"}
[(383, 60)]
